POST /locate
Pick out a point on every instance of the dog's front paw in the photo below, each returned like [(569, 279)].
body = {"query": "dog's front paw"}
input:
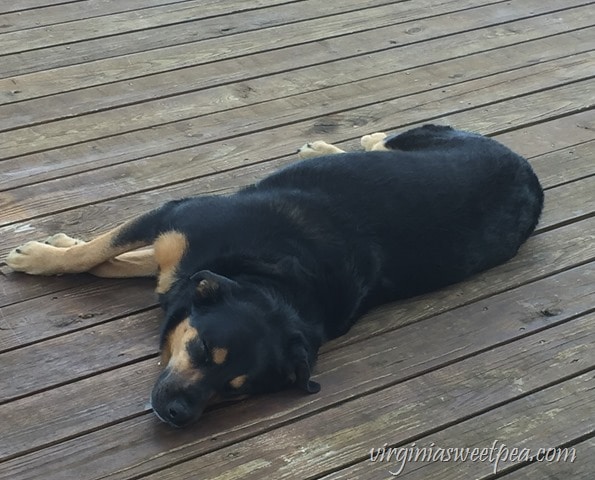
[(375, 141), (317, 149), (62, 240), (35, 258)]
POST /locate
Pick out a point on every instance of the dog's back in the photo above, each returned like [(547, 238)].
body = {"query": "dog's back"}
[(392, 224)]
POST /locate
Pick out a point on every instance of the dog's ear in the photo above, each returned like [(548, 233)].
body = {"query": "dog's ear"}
[(210, 286), (301, 366)]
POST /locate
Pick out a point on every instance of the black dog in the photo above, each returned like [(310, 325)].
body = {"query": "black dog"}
[(253, 283)]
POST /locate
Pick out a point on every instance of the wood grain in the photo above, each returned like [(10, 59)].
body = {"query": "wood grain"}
[(534, 422), (478, 95), (340, 372), (48, 14), (147, 28), (109, 108), (34, 168), (396, 414), (185, 40), (165, 59)]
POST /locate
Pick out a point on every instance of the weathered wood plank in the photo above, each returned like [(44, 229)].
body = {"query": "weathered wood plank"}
[(30, 287), (182, 39), (71, 357), (189, 109), (144, 80), (332, 438), (61, 312), (11, 21), (124, 179), (67, 411), (334, 72), (581, 469), (473, 350), (548, 419), (574, 201), (34, 168), (144, 115), (148, 28), (566, 165), (551, 136), (23, 5), (75, 77), (342, 375), (188, 55)]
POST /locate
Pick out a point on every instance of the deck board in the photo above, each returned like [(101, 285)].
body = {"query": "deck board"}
[(186, 40), (553, 410), (68, 12), (109, 108)]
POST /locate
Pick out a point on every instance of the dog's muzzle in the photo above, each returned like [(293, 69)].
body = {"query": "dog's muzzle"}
[(177, 403)]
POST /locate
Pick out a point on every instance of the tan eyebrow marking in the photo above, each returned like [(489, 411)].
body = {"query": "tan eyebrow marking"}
[(219, 355), (238, 381), (176, 355)]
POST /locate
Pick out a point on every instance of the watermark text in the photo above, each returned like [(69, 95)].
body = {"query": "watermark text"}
[(496, 455)]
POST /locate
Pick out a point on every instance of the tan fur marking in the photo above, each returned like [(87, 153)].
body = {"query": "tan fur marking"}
[(219, 355), (176, 355), (169, 250), (140, 263), (238, 381), (87, 255), (45, 259)]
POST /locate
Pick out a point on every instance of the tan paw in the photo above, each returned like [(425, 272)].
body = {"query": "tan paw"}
[(62, 240), (317, 149), (35, 258), (374, 141)]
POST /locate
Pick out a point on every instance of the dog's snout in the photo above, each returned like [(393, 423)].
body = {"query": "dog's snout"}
[(175, 402), (174, 410)]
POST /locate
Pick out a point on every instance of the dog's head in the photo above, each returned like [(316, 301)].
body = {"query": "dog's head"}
[(237, 340)]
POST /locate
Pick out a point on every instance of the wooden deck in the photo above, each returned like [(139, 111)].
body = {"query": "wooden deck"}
[(110, 107)]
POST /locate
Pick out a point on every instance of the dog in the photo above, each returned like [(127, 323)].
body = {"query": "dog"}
[(253, 283)]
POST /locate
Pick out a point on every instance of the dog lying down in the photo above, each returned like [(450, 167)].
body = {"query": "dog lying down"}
[(253, 283)]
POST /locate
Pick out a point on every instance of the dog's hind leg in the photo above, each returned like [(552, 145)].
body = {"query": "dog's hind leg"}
[(373, 142), (44, 258), (318, 149), (138, 263)]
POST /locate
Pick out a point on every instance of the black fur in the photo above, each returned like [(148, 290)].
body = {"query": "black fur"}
[(301, 255)]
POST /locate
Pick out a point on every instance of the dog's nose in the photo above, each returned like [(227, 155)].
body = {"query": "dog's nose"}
[(171, 408), (176, 402), (177, 412)]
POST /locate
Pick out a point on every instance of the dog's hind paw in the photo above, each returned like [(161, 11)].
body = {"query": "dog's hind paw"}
[(375, 141), (35, 258), (41, 258), (61, 240), (317, 149)]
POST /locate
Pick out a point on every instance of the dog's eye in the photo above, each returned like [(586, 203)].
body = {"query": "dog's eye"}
[(206, 357)]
